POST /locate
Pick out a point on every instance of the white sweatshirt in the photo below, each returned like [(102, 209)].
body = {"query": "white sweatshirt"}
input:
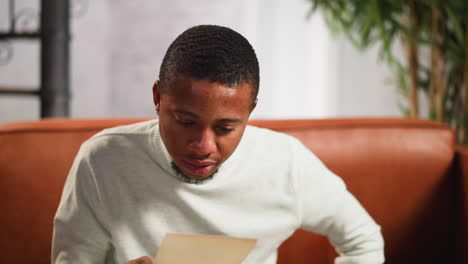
[(122, 196)]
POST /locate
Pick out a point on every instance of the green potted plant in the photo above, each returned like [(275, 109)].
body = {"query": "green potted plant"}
[(434, 34)]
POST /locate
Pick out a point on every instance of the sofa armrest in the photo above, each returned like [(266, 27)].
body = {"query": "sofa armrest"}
[(462, 172)]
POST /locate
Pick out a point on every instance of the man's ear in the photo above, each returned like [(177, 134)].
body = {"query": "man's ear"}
[(156, 95), (254, 104)]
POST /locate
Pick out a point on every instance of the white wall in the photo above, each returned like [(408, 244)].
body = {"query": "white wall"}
[(117, 47), (295, 62), (21, 71), (365, 87)]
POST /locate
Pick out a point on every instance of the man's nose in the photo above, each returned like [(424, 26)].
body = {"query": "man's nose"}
[(204, 143)]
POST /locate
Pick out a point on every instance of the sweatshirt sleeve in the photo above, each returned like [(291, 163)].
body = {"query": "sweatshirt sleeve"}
[(79, 235), (328, 208)]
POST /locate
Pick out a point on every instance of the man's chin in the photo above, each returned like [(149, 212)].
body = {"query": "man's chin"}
[(201, 174), (198, 176)]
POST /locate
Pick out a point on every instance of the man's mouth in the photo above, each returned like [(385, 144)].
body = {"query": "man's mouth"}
[(199, 168)]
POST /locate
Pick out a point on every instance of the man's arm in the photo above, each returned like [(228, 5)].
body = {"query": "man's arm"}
[(326, 207), (79, 235)]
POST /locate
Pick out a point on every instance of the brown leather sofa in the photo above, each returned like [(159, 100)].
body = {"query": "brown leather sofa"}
[(408, 174)]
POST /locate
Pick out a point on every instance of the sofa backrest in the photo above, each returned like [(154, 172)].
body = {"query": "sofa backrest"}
[(400, 170), (35, 158)]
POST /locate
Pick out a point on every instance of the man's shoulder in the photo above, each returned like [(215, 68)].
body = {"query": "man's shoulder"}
[(125, 136), (139, 128), (265, 134), (268, 139)]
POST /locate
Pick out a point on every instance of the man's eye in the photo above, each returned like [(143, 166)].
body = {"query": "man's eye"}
[(186, 123), (226, 129)]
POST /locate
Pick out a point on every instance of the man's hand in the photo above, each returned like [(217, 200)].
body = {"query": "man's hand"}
[(142, 260)]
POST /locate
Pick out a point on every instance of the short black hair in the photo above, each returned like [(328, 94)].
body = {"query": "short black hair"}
[(214, 53)]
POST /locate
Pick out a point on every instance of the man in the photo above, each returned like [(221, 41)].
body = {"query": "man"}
[(201, 169)]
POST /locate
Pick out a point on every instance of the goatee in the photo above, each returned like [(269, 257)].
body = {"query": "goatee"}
[(186, 178)]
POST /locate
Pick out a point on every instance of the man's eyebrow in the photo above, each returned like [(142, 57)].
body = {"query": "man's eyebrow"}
[(222, 120), (184, 112), (231, 120)]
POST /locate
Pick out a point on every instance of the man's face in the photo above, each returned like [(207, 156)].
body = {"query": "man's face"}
[(202, 122)]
